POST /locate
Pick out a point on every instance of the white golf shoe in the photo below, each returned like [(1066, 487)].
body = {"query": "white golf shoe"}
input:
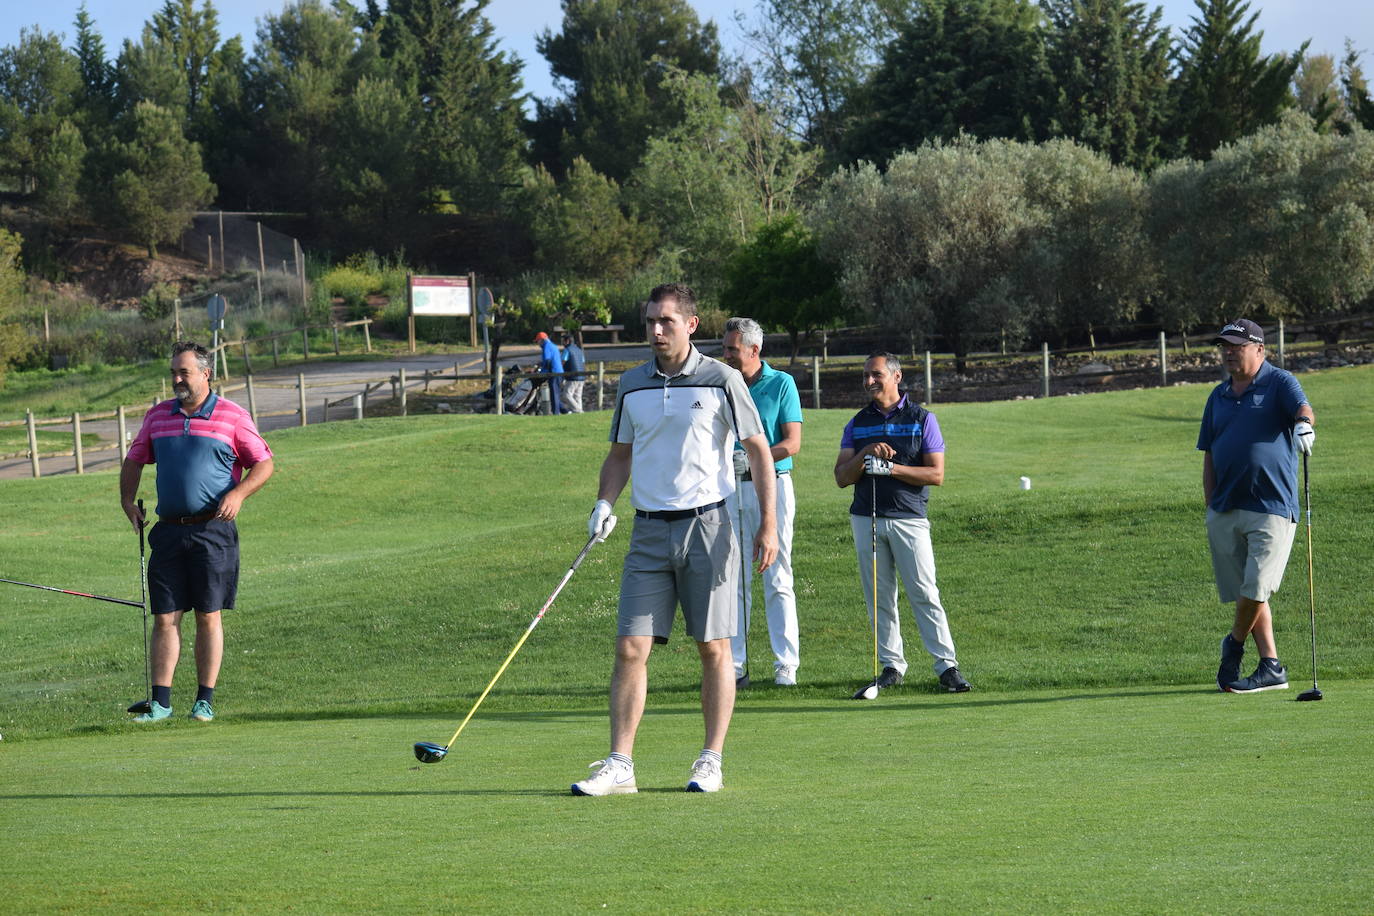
[(611, 778), (705, 776), (786, 676)]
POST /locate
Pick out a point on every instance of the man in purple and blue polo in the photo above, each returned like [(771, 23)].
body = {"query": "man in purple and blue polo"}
[(892, 452), (1253, 427), (210, 458)]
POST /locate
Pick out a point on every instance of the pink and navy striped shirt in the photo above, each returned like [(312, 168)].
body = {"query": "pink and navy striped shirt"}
[(199, 457)]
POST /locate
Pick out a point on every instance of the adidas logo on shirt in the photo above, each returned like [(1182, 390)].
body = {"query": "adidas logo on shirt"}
[(696, 405)]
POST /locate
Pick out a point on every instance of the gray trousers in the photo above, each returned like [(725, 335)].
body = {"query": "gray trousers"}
[(903, 549)]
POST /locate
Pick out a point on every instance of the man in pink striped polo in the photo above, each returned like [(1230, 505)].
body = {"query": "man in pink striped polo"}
[(210, 458)]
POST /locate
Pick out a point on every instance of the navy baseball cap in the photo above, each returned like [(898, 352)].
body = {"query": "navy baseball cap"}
[(1240, 331)]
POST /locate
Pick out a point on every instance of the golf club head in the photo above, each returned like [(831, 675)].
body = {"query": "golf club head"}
[(867, 692), (427, 752), (1307, 695), (140, 708)]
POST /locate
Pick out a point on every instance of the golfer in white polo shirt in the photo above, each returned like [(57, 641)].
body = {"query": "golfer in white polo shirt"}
[(677, 418)]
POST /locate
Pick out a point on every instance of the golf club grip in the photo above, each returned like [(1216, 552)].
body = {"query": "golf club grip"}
[(142, 524)]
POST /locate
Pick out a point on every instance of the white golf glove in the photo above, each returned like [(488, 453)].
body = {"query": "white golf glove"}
[(602, 522), (877, 467), (741, 459), (1306, 435)]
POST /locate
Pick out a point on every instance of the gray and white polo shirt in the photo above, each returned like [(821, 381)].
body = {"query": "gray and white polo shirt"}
[(683, 430)]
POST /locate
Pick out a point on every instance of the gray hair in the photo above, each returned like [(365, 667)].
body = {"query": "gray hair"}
[(893, 363), (750, 334), (190, 346)]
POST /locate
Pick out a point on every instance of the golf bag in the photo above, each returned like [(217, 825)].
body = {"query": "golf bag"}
[(523, 397)]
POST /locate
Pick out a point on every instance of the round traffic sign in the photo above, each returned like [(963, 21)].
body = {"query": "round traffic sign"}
[(216, 306)]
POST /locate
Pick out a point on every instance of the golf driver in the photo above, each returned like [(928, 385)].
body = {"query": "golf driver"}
[(67, 591), (870, 691), (145, 705), (428, 752), (1315, 693)]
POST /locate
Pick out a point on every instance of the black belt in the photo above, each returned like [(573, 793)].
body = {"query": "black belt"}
[(749, 476), (675, 515), (188, 519)]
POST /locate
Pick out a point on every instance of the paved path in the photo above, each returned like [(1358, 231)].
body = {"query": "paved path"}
[(275, 390)]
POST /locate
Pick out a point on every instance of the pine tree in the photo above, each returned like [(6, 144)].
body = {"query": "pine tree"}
[(1226, 88), (1111, 65), (610, 60)]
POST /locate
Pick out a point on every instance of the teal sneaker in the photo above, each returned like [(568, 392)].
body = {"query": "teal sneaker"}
[(202, 712), (156, 714)]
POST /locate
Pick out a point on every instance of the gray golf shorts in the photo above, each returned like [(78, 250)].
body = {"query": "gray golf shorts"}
[(693, 562), (1249, 552)]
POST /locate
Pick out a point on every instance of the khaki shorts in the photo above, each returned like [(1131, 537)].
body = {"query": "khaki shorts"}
[(693, 562), (1249, 552)]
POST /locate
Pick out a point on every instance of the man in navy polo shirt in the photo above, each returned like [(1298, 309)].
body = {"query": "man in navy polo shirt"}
[(676, 421), (203, 444), (1254, 424), (891, 453)]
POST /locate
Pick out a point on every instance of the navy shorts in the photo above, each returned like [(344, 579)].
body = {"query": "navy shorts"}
[(193, 567)]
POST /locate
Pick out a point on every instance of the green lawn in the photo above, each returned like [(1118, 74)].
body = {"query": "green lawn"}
[(390, 566)]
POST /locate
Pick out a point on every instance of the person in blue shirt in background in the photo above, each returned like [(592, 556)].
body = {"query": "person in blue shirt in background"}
[(575, 364), (551, 361), (1254, 424)]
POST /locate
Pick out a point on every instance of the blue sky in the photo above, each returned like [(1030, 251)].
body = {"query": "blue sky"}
[(1286, 23)]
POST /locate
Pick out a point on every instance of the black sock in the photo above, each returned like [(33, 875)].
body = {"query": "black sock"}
[(163, 695), (205, 693)]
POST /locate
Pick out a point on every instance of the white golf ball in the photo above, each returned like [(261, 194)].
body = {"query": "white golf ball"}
[(871, 692)]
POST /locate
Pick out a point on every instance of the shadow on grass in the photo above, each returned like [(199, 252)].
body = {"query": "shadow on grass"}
[(173, 796)]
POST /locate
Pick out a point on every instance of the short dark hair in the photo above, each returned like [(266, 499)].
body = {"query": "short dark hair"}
[(684, 295), (190, 346), (894, 364)]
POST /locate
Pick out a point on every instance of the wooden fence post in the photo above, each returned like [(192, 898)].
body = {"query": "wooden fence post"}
[(33, 443), (336, 340), (324, 414), (274, 352), (123, 434), (1163, 362), (816, 382), (305, 341), (76, 444), (501, 400), (930, 381), (367, 335), (600, 385), (300, 383), (252, 401), (357, 406), (1045, 370), (1283, 362), (247, 363), (403, 391)]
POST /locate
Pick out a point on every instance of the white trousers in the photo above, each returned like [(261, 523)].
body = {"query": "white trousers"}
[(903, 547), (780, 602), (572, 395)]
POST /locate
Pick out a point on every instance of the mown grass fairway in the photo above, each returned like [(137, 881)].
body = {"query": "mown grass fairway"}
[(390, 566)]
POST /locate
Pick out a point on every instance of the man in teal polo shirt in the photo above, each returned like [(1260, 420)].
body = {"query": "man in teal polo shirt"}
[(779, 405)]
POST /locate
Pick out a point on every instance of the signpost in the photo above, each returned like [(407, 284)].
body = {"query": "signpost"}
[(215, 307), (441, 296), (485, 302)]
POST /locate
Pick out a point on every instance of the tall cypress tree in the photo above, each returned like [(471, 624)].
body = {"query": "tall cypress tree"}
[(1226, 88), (975, 67), (1110, 60), (445, 53)]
